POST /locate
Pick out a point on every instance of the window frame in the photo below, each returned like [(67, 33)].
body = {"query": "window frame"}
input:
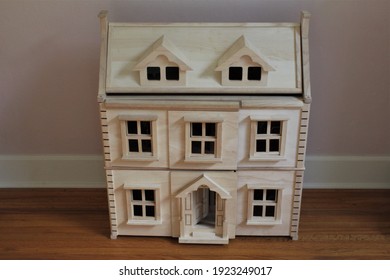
[(263, 220), (143, 220), (217, 139), (125, 136), (254, 136)]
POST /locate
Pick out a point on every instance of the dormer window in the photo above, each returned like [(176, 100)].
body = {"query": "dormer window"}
[(153, 73), (243, 65), (235, 73), (156, 73), (172, 73), (162, 65), (253, 73)]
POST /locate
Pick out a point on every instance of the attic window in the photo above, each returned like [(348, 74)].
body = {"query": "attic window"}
[(243, 65), (235, 73), (254, 73), (153, 73), (162, 64), (172, 73)]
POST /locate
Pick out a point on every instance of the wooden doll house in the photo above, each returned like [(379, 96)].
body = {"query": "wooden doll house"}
[(204, 128)]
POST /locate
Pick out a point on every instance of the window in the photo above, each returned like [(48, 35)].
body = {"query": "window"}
[(254, 73), (170, 73), (267, 138), (142, 205), (203, 140), (235, 73), (139, 137), (153, 73), (251, 73), (263, 205)]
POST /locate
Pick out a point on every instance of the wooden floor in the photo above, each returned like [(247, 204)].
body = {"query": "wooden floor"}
[(73, 224)]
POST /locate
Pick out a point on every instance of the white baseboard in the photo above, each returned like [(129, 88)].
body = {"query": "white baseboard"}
[(347, 172), (52, 171), (87, 171)]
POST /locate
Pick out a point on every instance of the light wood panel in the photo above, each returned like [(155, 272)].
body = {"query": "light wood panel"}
[(73, 224), (203, 45)]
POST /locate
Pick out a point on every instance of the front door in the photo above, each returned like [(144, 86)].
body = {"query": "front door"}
[(202, 212), (204, 207)]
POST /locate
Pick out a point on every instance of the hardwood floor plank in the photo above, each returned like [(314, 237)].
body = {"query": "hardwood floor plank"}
[(73, 224)]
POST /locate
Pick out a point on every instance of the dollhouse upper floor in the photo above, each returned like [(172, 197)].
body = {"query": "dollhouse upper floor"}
[(201, 58)]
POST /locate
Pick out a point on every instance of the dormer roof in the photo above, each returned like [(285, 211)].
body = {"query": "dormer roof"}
[(166, 48), (204, 180), (242, 46)]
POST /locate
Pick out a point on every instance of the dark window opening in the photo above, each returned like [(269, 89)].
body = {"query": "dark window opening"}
[(133, 146), (137, 194), (235, 73), (274, 145), (137, 209), (145, 127), (210, 129), (196, 129), (146, 146), (257, 211), (275, 127), (209, 147), (153, 73), (261, 127), (149, 195), (271, 195), (172, 73), (196, 147), (132, 127), (258, 194), (150, 211), (254, 73), (270, 211), (261, 146)]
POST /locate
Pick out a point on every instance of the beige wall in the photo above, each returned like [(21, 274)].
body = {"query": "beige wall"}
[(49, 54)]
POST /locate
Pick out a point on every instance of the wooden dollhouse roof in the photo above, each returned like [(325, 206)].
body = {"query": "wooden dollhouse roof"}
[(166, 48), (202, 48), (240, 48)]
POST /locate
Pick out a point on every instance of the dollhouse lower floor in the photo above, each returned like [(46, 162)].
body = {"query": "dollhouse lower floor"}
[(203, 206)]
